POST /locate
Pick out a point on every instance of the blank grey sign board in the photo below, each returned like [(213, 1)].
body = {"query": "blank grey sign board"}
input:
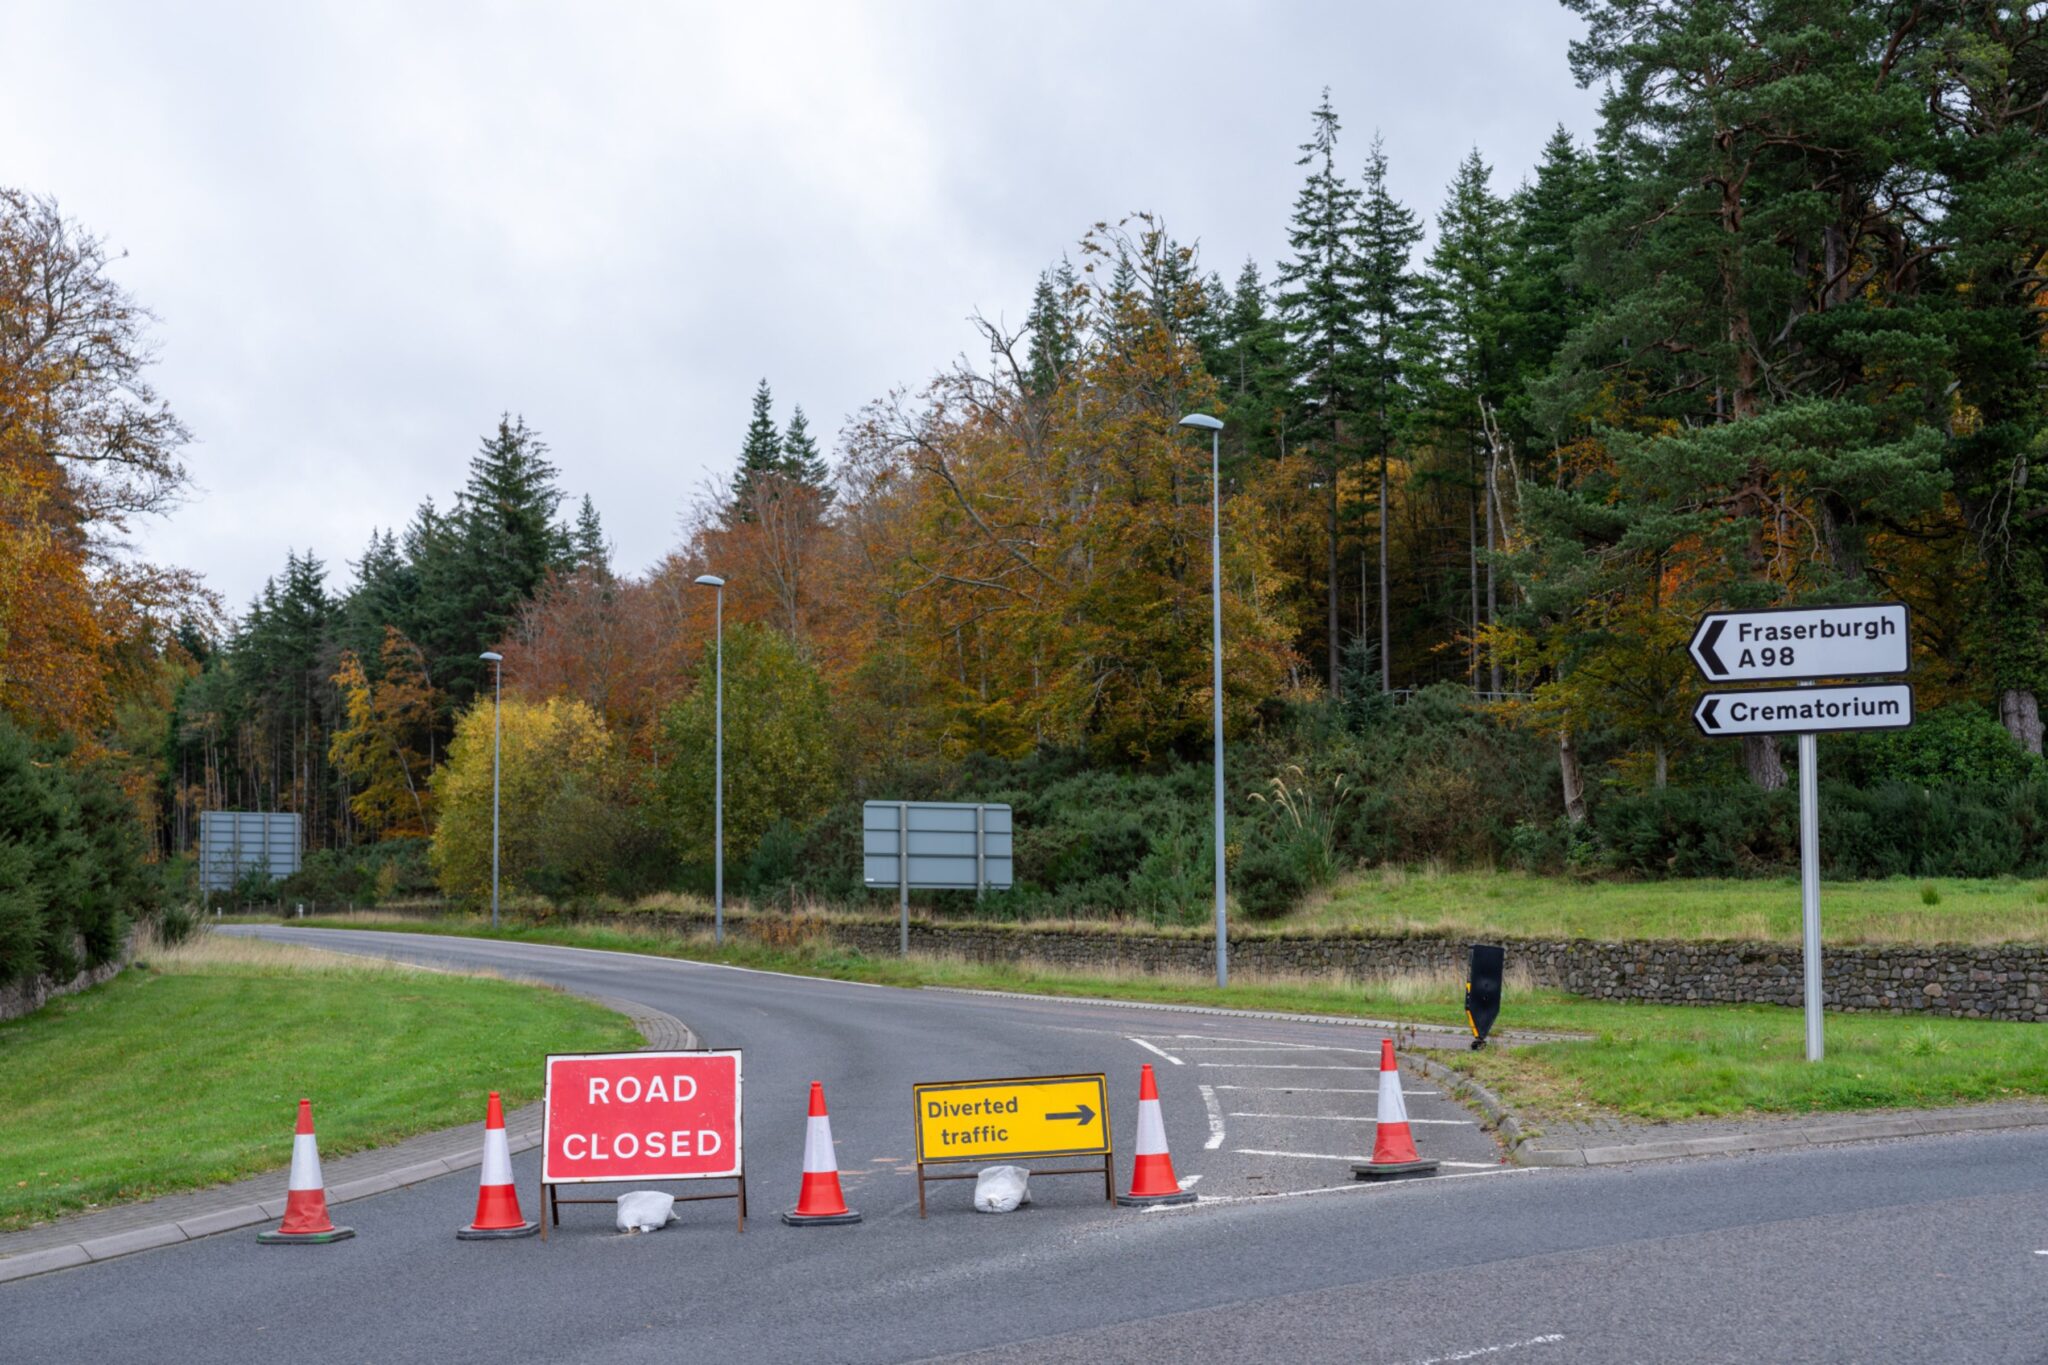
[(942, 845)]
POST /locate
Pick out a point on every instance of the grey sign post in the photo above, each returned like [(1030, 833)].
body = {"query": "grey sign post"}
[(1804, 644), (934, 846)]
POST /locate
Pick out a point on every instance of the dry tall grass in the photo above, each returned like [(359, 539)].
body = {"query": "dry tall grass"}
[(204, 950)]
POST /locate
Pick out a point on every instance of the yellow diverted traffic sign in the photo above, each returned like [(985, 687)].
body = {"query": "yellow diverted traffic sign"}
[(1028, 1116)]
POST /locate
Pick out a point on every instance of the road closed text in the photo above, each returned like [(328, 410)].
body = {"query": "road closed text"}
[(677, 1142), (642, 1116)]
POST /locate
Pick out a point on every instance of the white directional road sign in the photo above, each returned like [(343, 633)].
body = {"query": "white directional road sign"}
[(1787, 644), (1805, 710)]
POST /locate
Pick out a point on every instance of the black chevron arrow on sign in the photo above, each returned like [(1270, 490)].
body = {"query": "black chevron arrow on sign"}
[(1707, 710), (1707, 654)]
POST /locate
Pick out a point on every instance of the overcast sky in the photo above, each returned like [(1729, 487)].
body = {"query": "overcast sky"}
[(369, 229)]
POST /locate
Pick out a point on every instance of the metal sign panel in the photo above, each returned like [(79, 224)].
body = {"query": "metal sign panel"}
[(1030, 1116), (1806, 710), (1790, 644), (232, 842), (641, 1116), (936, 845)]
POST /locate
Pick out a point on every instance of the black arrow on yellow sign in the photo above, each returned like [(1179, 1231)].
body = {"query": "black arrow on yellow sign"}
[(1082, 1115)]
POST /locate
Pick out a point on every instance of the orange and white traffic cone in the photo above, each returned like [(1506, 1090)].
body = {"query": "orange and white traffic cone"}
[(819, 1203), (1152, 1178), (1393, 1147), (497, 1202), (305, 1202)]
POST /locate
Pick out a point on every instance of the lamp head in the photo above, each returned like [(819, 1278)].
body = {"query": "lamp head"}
[(710, 580), (492, 657), (1202, 420)]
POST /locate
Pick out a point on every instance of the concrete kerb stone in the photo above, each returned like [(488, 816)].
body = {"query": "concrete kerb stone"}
[(1778, 1138), (662, 1032)]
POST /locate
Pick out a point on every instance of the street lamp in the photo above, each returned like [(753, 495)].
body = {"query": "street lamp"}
[(497, 662), (712, 580), (1214, 427)]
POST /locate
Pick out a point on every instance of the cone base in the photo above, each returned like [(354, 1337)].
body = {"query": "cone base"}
[(1139, 1201), (496, 1234), (1391, 1170), (285, 1238), (819, 1220)]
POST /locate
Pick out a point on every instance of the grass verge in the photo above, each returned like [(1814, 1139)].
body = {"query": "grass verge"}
[(186, 1069), (1651, 1062), (1897, 910)]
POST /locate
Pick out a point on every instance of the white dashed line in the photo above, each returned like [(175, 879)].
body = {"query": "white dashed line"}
[(1306, 1156), (1316, 1090), (1286, 1066), (1387, 1189), (1480, 1352), (1350, 1118), (1215, 1118), (1159, 1050), (1188, 1182)]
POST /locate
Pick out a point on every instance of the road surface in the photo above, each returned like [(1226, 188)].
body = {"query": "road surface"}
[(1924, 1250)]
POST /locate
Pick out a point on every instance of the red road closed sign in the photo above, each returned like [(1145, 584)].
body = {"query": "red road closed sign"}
[(641, 1116)]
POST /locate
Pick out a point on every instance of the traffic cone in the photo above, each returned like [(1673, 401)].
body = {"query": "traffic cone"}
[(1393, 1148), (1152, 1178), (497, 1203), (819, 1203), (305, 1202)]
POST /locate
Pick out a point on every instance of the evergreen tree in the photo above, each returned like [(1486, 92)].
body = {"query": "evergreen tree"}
[(801, 460), (1053, 328), (1762, 314), (383, 595), (490, 554), (1319, 310), (1463, 292), (1389, 297), (760, 452), (1250, 366), (587, 547), (1542, 300)]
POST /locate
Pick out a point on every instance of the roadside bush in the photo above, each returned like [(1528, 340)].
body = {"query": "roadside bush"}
[(71, 872)]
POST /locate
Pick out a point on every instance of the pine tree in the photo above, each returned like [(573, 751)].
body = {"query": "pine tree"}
[(801, 461), (1250, 366), (587, 545), (760, 453), (1389, 297), (1463, 291), (487, 556), (1053, 328), (1763, 309), (1319, 309)]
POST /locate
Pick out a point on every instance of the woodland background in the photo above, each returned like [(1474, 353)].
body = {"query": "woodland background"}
[(1773, 335)]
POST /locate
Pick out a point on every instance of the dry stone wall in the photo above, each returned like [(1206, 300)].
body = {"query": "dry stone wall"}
[(1999, 982)]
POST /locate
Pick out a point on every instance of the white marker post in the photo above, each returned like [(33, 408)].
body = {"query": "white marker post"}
[(1802, 644)]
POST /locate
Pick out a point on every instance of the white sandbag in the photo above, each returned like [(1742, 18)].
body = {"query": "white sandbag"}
[(645, 1210), (1002, 1188)]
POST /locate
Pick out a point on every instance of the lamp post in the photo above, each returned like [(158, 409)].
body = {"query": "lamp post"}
[(718, 767), (497, 663), (1214, 427)]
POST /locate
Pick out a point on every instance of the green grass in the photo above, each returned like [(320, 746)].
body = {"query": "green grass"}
[(1644, 1061), (174, 1077), (1899, 910)]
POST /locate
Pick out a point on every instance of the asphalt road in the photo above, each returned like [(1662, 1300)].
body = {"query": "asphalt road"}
[(1925, 1250)]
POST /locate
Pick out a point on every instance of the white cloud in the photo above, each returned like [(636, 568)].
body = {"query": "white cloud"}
[(368, 229)]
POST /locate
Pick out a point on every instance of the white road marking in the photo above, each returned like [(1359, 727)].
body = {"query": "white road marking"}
[(1349, 1118), (1389, 1187), (1215, 1118), (2041, 1253), (1161, 1051), (1306, 1156), (1288, 1066), (1188, 1182), (1479, 1351), (1317, 1090), (1475, 1165), (1269, 1047)]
